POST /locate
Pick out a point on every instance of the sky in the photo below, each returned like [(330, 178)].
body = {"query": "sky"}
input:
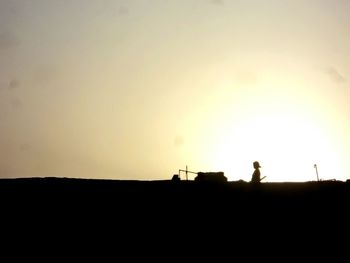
[(138, 89)]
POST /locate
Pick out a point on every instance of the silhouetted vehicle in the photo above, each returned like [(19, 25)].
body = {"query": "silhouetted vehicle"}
[(210, 177), (175, 177)]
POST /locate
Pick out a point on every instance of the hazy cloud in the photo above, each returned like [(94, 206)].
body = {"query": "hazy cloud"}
[(8, 40), (45, 74), (123, 10), (246, 77), (8, 14), (24, 147), (179, 140), (3, 85), (335, 76), (9, 17), (217, 2), (8, 7), (14, 84), (16, 103)]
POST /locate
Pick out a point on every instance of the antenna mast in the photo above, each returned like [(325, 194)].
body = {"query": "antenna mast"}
[(315, 165)]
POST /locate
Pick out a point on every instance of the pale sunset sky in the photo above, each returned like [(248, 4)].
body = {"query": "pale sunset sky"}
[(138, 89)]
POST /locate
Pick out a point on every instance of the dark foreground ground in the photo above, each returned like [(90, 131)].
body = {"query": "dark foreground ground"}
[(186, 211), (183, 200)]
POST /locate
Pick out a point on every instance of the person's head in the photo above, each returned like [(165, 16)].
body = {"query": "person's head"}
[(256, 165)]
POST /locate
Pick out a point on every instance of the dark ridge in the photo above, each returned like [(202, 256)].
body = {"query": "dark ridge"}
[(168, 209), (320, 196)]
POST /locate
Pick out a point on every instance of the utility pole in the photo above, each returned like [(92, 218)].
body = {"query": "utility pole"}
[(315, 166)]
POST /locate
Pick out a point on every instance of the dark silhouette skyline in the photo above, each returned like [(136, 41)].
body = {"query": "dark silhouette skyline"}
[(139, 214)]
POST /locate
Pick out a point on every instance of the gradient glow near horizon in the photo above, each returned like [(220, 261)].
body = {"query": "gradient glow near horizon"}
[(138, 89)]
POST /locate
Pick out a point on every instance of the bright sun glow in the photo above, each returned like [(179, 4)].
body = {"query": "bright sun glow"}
[(279, 121), (139, 89), (286, 145)]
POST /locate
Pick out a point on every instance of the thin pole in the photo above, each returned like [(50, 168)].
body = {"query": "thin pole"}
[(316, 172), (186, 173)]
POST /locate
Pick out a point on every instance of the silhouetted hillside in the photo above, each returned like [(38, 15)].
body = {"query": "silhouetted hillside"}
[(150, 213), (180, 197)]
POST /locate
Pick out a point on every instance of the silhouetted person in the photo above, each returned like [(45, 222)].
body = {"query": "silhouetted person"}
[(256, 174)]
